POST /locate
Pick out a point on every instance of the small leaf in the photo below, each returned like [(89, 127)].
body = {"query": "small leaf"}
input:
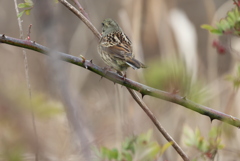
[(224, 25), (207, 27), (232, 15), (236, 12), (166, 146), (22, 5), (217, 31), (221, 146), (113, 154), (20, 14), (27, 11), (230, 22), (30, 2)]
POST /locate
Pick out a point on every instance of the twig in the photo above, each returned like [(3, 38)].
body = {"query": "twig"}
[(29, 32), (82, 17), (81, 8), (143, 89), (114, 77), (27, 79), (158, 125)]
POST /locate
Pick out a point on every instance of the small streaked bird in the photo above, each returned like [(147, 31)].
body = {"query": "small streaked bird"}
[(115, 48)]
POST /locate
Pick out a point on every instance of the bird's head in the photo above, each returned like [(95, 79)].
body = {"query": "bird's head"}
[(109, 26)]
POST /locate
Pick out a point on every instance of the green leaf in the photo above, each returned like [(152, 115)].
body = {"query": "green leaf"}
[(29, 2), (113, 154), (105, 152), (232, 16), (126, 156), (149, 152), (213, 132), (166, 146), (207, 27), (190, 136), (236, 12), (217, 31), (221, 146), (149, 135), (22, 5), (27, 11), (25, 5), (224, 25), (20, 14), (230, 22)]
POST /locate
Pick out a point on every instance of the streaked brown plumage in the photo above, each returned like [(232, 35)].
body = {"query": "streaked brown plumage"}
[(115, 48)]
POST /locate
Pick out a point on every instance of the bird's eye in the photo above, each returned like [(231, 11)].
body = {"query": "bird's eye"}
[(102, 24)]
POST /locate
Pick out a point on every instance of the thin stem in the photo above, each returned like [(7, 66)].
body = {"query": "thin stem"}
[(158, 125), (27, 79), (81, 8), (82, 17)]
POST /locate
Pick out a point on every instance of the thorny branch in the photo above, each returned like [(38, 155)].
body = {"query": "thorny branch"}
[(143, 89)]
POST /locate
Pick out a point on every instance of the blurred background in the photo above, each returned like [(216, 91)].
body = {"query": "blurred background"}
[(69, 111)]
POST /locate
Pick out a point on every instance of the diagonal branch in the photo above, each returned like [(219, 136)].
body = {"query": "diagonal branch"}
[(81, 8), (134, 95), (143, 89), (82, 17)]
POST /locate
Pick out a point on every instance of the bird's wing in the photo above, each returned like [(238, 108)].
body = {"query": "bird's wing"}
[(118, 45)]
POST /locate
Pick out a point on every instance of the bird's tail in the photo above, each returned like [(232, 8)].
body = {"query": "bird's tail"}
[(135, 64)]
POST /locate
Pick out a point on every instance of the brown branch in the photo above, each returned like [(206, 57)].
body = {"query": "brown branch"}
[(81, 8), (112, 76), (158, 125), (134, 95), (143, 89), (82, 17)]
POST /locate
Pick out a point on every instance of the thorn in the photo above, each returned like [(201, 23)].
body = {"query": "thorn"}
[(84, 60), (211, 119), (142, 95), (114, 83), (3, 36), (100, 78), (184, 97), (175, 91), (29, 32), (233, 118), (34, 42), (91, 61), (124, 78)]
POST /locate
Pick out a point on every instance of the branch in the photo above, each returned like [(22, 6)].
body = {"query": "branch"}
[(134, 95), (81, 8), (158, 125), (114, 77), (82, 17)]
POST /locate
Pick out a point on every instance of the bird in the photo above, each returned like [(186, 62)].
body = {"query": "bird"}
[(115, 48)]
